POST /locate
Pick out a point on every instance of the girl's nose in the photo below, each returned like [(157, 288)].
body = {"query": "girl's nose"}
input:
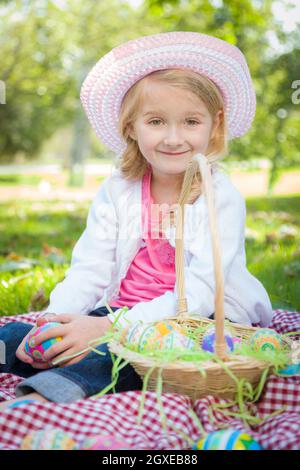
[(173, 136)]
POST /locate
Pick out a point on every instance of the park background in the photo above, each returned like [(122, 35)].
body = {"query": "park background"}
[(51, 163)]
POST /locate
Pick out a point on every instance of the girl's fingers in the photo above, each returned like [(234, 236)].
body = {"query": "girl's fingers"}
[(64, 317), (41, 321), (24, 357), (56, 350), (51, 317), (55, 332), (64, 357), (41, 365), (31, 362), (45, 319), (21, 353), (72, 361)]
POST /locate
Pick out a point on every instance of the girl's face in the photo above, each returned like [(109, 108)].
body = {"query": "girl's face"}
[(172, 125)]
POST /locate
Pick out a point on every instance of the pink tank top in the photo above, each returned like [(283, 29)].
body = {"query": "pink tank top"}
[(152, 271)]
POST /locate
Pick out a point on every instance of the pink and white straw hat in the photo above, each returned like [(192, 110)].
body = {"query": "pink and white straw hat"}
[(112, 76)]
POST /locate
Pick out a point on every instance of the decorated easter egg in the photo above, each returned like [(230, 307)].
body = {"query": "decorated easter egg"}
[(37, 352), (209, 338), (176, 340), (237, 343), (153, 336), (18, 403), (227, 439), (48, 439), (291, 369), (103, 443), (266, 339)]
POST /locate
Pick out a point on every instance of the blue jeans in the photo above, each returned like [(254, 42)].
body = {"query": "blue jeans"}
[(65, 384)]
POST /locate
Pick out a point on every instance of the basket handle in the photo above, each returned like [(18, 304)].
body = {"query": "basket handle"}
[(205, 169)]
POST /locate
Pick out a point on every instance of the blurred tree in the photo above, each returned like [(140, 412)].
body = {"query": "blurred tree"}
[(39, 85), (286, 113)]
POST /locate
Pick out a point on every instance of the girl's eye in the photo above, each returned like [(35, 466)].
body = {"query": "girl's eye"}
[(192, 121), (154, 120)]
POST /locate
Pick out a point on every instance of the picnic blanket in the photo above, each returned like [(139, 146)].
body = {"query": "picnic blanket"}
[(116, 414)]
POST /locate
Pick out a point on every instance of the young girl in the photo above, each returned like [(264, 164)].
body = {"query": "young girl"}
[(157, 102)]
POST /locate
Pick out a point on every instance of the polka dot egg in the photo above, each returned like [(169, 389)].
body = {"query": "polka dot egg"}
[(209, 338), (48, 439), (266, 339), (103, 443), (228, 439), (37, 352), (162, 335)]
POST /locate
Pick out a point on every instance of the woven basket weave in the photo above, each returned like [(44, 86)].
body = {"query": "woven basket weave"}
[(181, 376)]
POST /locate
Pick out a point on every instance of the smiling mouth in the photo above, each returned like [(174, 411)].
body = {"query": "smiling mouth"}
[(173, 153)]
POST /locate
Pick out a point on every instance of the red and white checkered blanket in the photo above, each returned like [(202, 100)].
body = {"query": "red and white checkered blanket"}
[(116, 414)]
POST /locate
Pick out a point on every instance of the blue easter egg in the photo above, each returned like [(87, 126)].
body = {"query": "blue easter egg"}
[(291, 369)]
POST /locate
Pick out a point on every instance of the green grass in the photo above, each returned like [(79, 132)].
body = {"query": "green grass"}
[(12, 180), (43, 234), (274, 258), (36, 241)]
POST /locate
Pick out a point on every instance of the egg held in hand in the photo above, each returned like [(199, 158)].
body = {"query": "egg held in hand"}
[(37, 352)]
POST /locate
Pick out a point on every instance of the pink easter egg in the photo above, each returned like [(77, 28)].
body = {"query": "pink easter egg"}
[(37, 352)]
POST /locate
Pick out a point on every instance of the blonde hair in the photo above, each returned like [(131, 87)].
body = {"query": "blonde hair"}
[(132, 163)]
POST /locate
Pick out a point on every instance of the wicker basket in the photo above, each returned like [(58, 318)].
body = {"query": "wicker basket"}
[(181, 376)]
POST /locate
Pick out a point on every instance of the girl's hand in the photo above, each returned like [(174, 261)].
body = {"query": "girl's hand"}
[(49, 317), (23, 356), (76, 332)]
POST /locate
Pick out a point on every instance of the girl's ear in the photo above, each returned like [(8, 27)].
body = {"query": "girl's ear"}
[(131, 132), (216, 124)]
